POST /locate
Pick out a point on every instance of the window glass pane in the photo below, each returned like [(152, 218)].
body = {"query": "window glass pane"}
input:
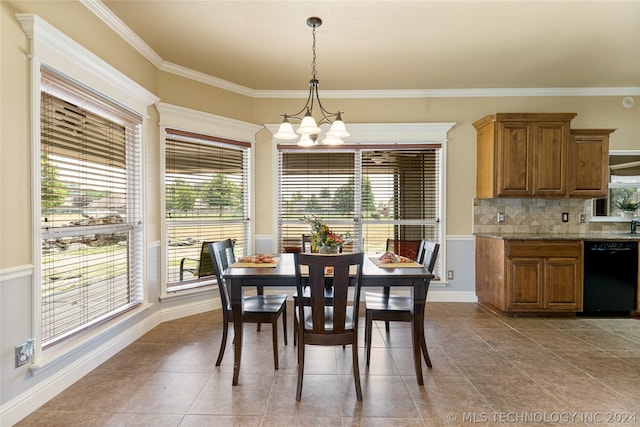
[(90, 209), (374, 194), (624, 185), (206, 196)]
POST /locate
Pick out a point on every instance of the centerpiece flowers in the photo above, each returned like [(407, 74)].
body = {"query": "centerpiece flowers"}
[(323, 240)]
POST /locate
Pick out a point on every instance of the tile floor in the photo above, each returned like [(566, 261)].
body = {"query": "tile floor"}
[(487, 370)]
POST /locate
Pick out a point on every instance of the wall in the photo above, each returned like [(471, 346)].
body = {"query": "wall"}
[(21, 391)]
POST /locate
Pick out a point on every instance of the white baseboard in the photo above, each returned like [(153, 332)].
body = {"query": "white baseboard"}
[(16, 409), (435, 295)]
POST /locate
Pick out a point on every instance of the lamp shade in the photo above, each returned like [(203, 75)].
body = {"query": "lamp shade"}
[(285, 131), (308, 125), (305, 141), (332, 140), (338, 129)]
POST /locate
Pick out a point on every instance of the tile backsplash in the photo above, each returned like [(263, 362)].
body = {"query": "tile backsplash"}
[(538, 216)]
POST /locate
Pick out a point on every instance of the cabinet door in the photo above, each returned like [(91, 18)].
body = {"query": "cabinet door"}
[(514, 159), (563, 284), (525, 282), (589, 162), (551, 143)]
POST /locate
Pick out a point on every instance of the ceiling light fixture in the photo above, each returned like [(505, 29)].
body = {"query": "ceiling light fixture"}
[(309, 129)]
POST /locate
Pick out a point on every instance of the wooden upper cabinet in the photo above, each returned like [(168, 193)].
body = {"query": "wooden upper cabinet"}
[(589, 162), (523, 155)]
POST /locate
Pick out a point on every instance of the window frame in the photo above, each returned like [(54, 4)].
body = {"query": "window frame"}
[(53, 49), (374, 135), (609, 218), (198, 122)]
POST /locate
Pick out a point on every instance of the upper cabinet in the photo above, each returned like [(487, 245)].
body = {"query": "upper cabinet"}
[(534, 155), (589, 162)]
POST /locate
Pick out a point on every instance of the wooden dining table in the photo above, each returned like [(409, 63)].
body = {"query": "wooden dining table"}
[(283, 274)]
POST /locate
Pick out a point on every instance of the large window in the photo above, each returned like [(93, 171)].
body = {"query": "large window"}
[(373, 192), (206, 199), (624, 183), (91, 211)]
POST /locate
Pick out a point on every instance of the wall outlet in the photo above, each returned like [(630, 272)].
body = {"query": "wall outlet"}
[(500, 216), (450, 275), (565, 216), (583, 218), (24, 352)]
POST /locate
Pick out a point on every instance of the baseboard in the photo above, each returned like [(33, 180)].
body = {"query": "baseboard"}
[(16, 409), (435, 295)]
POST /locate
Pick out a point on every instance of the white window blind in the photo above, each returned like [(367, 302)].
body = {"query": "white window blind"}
[(206, 200), (90, 187), (374, 192)]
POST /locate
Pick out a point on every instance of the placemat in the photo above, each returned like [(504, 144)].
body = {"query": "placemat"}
[(256, 264), (380, 264)]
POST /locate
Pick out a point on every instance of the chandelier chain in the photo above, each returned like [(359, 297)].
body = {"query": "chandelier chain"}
[(313, 62)]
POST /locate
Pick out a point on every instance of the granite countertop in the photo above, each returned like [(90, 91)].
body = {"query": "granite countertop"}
[(616, 236)]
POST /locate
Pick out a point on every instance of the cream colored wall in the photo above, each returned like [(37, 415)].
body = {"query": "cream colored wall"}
[(593, 112), (76, 21)]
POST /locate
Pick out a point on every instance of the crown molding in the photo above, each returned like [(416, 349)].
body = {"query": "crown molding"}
[(109, 18)]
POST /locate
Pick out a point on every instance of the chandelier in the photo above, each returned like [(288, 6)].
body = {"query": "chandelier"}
[(309, 129)]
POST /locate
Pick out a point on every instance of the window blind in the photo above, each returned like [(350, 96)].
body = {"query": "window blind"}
[(206, 199), (375, 192), (90, 193)]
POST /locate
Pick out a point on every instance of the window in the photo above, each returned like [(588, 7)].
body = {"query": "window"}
[(91, 209), (206, 199), (624, 181), (372, 192)]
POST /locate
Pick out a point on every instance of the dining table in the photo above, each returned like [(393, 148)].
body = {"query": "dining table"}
[(416, 277)]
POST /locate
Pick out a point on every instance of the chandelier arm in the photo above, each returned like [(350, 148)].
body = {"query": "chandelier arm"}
[(299, 114)]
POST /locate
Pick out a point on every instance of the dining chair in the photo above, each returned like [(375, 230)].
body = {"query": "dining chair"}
[(320, 323), (306, 248), (407, 248), (397, 308), (257, 308)]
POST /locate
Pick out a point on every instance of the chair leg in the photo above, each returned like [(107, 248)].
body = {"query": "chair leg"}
[(274, 334), (367, 335), (223, 344), (356, 368), (425, 353), (386, 291), (300, 368), (284, 324)]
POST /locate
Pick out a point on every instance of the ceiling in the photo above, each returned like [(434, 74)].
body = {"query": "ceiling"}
[(395, 45)]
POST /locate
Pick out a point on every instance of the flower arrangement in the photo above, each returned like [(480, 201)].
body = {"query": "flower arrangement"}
[(324, 240)]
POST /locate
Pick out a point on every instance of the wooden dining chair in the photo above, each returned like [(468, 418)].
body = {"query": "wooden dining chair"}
[(397, 308), (407, 248), (320, 323), (257, 308)]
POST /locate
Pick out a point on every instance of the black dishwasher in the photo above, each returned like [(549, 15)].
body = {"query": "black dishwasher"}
[(610, 276)]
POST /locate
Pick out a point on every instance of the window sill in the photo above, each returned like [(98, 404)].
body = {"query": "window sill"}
[(609, 219)]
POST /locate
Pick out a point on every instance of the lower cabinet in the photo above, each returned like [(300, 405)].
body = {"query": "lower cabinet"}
[(529, 276)]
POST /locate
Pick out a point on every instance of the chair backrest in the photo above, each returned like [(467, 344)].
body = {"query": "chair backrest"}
[(222, 256), (340, 270), (428, 254), (406, 248), (306, 243)]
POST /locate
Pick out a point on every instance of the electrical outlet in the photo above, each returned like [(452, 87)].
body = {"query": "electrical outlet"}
[(565, 216), (500, 216), (450, 275), (583, 218), (24, 352)]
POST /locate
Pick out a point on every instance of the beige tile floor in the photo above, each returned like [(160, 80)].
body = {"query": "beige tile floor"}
[(487, 370)]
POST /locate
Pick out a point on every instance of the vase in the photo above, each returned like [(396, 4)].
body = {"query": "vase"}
[(627, 215), (328, 250)]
